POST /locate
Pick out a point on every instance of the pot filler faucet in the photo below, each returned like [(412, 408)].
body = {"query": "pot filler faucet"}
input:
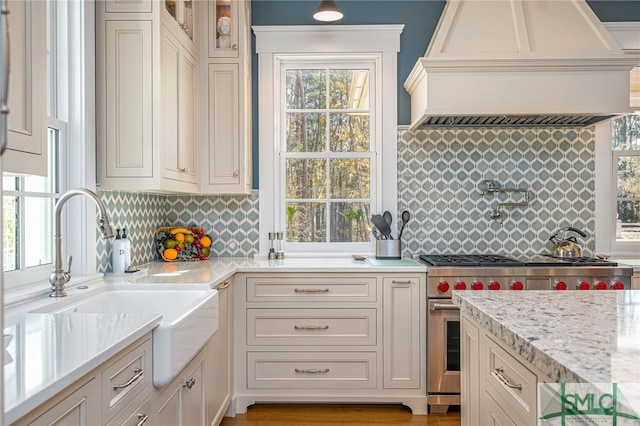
[(59, 277)]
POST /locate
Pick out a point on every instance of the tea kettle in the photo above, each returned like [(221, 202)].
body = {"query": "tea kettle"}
[(566, 247)]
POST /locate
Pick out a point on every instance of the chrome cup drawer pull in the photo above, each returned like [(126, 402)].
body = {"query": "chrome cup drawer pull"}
[(311, 290), (312, 371), (499, 372), (137, 374), (311, 327)]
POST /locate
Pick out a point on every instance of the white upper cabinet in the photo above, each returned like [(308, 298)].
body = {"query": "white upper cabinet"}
[(226, 129), (147, 103), (27, 120)]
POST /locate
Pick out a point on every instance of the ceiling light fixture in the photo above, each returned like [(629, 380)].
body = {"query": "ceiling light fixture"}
[(328, 11)]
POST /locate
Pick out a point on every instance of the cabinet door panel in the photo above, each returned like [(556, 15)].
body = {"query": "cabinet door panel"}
[(179, 97), (27, 102), (170, 101), (224, 157), (187, 118), (402, 330), (193, 405), (169, 412), (129, 104), (77, 409)]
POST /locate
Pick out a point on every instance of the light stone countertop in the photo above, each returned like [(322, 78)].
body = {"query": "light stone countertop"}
[(571, 336), (48, 352)]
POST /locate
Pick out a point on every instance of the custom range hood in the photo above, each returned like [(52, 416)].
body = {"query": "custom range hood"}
[(519, 63)]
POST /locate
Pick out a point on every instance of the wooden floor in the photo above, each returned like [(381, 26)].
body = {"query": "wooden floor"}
[(345, 415)]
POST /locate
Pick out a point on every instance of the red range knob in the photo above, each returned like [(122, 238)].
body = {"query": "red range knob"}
[(460, 285), (517, 285), (494, 285), (477, 285), (583, 285), (618, 285), (561, 285), (443, 286), (600, 285)]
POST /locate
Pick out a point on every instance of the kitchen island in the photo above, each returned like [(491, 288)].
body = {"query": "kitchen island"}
[(511, 341)]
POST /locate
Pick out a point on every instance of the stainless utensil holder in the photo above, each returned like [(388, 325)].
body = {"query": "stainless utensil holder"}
[(388, 249)]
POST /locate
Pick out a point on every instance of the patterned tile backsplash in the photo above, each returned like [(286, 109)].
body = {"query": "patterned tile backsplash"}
[(232, 221), (440, 172)]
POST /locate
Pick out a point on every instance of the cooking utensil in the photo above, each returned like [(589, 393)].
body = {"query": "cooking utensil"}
[(387, 217), (566, 247), (384, 228), (405, 218), (376, 233)]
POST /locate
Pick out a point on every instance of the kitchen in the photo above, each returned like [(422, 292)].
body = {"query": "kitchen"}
[(437, 224)]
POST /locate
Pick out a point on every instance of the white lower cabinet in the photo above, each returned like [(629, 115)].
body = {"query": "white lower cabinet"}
[(79, 407), (220, 357), (115, 393), (358, 338), (182, 402), (498, 387)]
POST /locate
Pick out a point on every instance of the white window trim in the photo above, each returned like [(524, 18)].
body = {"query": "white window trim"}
[(626, 34), (275, 42)]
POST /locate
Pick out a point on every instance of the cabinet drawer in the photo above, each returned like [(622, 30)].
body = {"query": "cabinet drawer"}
[(136, 413), (309, 289), (311, 327), (513, 386), (492, 415), (311, 370), (125, 378)]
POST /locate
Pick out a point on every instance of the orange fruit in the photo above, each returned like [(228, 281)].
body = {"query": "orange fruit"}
[(170, 254), (205, 241), (179, 237)]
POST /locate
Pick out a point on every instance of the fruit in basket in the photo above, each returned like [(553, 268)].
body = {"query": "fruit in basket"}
[(205, 241), (169, 243), (181, 231), (183, 244), (170, 254)]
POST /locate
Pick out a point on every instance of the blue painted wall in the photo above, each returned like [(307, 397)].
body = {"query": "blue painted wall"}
[(420, 18)]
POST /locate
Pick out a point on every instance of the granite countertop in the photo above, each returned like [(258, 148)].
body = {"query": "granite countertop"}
[(571, 336), (48, 352)]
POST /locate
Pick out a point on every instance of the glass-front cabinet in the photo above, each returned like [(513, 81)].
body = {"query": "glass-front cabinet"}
[(223, 36), (182, 12)]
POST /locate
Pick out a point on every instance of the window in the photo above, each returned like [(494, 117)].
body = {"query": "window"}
[(28, 207), (625, 145), (29, 200), (617, 191), (327, 154), (327, 134)]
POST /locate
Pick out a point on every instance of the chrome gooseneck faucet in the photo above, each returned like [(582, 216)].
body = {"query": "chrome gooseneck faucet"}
[(59, 277)]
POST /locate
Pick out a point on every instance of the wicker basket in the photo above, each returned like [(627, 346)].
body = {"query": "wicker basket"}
[(186, 255)]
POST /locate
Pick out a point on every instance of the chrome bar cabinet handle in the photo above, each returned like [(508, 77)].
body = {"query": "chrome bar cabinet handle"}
[(311, 290), (312, 371), (499, 372), (311, 327), (138, 373)]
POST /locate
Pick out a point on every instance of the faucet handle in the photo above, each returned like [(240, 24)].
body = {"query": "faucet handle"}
[(67, 273)]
